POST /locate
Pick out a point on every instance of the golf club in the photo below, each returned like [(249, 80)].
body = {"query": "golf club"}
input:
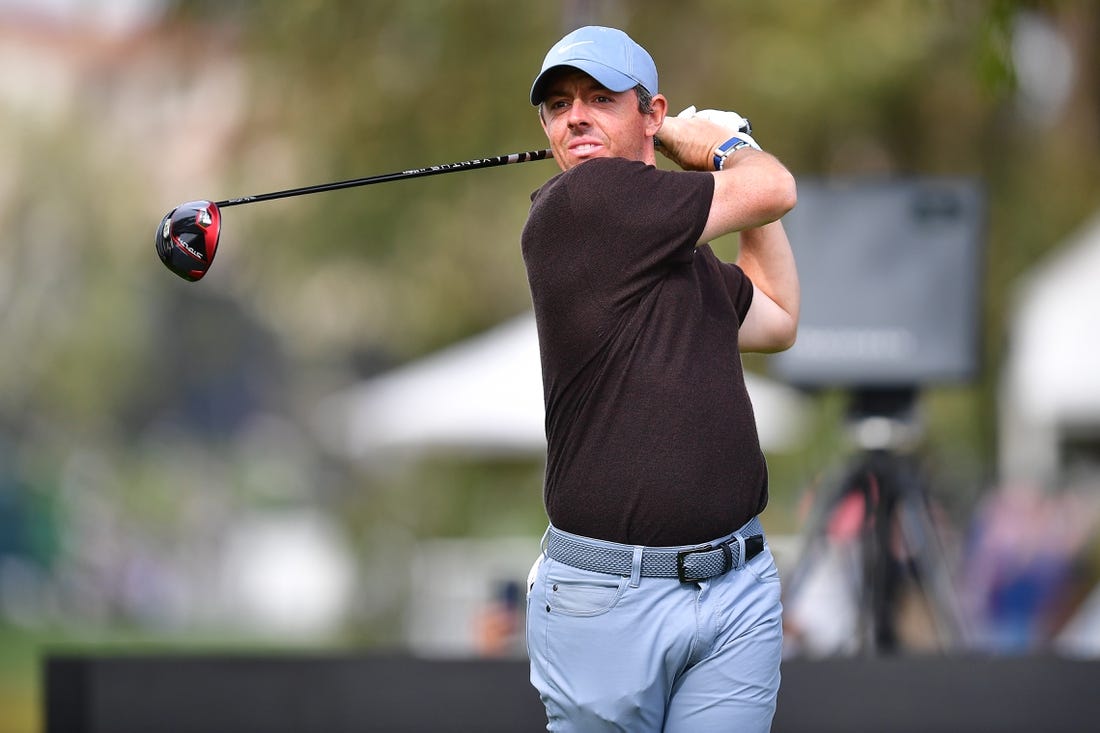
[(187, 237)]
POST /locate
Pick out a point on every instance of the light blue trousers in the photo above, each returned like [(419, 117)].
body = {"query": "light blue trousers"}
[(659, 656)]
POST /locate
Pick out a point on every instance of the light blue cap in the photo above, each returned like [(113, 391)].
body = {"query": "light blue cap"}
[(608, 55)]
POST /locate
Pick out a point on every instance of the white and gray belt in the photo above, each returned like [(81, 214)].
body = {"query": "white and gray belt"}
[(688, 563)]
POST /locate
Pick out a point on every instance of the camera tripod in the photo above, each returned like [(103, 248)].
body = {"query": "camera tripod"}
[(880, 510)]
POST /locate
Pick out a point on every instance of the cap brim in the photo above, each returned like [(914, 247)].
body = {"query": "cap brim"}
[(612, 80)]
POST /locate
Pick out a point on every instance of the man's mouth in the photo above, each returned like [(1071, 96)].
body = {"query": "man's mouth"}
[(584, 148)]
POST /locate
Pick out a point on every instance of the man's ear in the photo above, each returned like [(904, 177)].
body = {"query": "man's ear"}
[(657, 116)]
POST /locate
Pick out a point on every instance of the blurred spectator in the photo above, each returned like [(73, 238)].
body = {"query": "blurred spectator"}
[(498, 625), (1023, 573)]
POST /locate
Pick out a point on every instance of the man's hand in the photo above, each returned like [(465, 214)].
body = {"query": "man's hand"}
[(730, 120), (691, 138)]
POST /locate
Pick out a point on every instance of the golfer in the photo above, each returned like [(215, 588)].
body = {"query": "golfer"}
[(654, 605)]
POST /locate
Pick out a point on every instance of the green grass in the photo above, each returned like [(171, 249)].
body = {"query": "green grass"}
[(19, 681)]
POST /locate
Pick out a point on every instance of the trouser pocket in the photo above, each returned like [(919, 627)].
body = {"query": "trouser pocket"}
[(576, 592)]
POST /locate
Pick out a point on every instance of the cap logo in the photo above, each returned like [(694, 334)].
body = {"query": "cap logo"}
[(563, 49)]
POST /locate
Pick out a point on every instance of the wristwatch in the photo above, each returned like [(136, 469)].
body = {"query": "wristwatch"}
[(727, 148)]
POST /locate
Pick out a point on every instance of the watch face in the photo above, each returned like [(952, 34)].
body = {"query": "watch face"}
[(726, 149)]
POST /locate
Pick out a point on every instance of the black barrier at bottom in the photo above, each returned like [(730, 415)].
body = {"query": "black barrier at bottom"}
[(277, 693), (945, 694), (397, 694)]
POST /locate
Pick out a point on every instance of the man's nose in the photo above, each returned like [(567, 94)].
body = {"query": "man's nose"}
[(578, 113)]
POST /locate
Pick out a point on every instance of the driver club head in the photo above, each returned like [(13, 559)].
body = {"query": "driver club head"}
[(187, 238)]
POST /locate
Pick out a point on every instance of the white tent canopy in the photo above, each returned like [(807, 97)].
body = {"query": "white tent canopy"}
[(1052, 376), (484, 396)]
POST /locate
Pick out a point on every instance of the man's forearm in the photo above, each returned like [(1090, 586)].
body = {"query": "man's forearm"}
[(766, 257)]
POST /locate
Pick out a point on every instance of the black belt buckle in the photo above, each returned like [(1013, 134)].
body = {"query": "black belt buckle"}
[(754, 545), (727, 564)]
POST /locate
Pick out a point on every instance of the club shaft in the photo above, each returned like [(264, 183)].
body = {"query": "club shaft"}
[(432, 170)]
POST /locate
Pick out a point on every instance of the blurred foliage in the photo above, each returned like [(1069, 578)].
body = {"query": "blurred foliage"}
[(135, 408), (141, 417)]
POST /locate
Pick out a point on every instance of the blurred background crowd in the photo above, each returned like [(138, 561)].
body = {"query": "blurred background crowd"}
[(333, 440)]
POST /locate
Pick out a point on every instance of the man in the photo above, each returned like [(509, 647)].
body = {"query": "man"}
[(655, 604)]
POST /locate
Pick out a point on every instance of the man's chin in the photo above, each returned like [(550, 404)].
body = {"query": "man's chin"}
[(573, 159)]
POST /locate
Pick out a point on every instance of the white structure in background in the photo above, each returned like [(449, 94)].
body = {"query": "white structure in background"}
[(290, 574), (484, 396), (1050, 393), (481, 396)]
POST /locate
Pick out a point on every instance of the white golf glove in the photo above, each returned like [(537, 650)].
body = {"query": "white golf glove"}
[(729, 120), (702, 140)]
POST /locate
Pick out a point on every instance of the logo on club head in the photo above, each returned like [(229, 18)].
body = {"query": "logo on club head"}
[(188, 249), (166, 230), (204, 218)]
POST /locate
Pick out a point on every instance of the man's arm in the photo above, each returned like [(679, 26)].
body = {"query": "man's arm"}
[(772, 321), (751, 193), (752, 189)]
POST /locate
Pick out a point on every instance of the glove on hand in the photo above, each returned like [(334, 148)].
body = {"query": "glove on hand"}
[(730, 120), (691, 138)]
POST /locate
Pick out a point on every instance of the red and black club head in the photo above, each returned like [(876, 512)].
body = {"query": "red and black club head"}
[(187, 238)]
